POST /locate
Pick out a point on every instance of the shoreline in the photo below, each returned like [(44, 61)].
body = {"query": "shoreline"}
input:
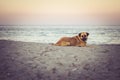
[(52, 43), (42, 61)]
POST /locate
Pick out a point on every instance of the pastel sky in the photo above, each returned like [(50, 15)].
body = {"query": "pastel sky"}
[(60, 12)]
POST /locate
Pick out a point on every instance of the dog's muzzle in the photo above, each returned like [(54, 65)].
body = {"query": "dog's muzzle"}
[(84, 39)]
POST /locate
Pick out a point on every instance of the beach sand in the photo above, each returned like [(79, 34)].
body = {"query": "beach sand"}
[(38, 61)]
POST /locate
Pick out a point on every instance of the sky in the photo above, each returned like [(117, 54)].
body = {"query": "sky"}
[(60, 12)]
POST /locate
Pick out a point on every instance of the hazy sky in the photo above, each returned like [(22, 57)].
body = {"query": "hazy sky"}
[(63, 12)]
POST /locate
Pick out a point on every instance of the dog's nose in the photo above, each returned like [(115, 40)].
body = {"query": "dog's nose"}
[(84, 39)]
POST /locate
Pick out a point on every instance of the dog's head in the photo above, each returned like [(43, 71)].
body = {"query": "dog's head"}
[(83, 36)]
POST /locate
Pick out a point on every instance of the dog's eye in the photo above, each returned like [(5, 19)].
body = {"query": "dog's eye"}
[(82, 36)]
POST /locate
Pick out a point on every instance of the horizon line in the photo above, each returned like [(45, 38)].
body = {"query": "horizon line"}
[(53, 25)]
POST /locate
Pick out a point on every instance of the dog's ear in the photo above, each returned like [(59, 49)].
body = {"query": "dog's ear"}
[(79, 34), (87, 34)]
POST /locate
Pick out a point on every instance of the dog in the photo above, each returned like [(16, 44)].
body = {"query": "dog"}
[(78, 40)]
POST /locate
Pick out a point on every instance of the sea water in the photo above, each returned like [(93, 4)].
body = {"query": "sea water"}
[(51, 34)]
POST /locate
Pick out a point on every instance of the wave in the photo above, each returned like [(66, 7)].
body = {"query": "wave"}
[(98, 35)]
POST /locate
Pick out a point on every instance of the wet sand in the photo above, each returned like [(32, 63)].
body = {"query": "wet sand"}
[(37, 61)]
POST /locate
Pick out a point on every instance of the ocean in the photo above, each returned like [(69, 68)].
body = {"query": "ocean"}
[(51, 34)]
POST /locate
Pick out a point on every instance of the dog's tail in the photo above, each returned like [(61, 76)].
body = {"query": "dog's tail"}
[(53, 44)]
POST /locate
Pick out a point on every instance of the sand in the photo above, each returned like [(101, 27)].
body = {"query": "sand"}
[(37, 61)]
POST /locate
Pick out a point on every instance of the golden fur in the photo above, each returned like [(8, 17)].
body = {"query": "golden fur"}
[(79, 40)]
